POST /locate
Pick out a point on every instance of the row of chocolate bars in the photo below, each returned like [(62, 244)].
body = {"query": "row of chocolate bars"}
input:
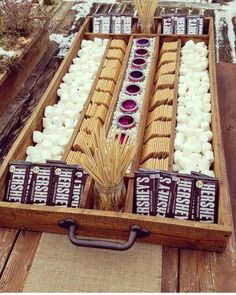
[(54, 183), (182, 24), (175, 195)]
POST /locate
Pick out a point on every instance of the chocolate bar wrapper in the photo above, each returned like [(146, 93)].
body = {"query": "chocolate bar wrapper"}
[(206, 200), (63, 183), (17, 180), (179, 24), (195, 24), (78, 187), (143, 186), (168, 24), (165, 194), (41, 185), (116, 26), (182, 207), (126, 24)]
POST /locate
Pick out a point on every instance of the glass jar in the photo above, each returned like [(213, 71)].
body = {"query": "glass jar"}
[(109, 198)]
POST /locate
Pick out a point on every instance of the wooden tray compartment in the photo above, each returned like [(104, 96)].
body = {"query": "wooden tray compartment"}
[(170, 232)]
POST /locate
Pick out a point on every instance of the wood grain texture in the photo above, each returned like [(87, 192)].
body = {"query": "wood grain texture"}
[(19, 263), (7, 240), (15, 79)]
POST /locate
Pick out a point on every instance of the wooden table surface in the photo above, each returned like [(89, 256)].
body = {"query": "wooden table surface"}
[(182, 270)]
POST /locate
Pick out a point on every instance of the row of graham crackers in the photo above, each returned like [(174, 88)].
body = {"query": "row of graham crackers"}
[(156, 148), (97, 111)]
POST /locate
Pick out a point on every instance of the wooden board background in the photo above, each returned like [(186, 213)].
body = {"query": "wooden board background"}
[(182, 270)]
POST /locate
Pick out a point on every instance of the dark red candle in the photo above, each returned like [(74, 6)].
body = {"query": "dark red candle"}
[(132, 89), (136, 76), (126, 121), (139, 63), (141, 52), (129, 106)]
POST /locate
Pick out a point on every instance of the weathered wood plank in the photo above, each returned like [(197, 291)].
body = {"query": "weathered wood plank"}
[(19, 263), (170, 270), (7, 240)]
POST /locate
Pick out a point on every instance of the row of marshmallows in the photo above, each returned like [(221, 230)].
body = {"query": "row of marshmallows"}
[(193, 149), (61, 118)]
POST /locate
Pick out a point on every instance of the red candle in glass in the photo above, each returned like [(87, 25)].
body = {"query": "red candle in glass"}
[(143, 42), (141, 52), (129, 106), (132, 89), (126, 121), (139, 63), (136, 76)]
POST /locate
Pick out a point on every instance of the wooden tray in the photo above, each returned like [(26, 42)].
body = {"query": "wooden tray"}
[(11, 83), (95, 223)]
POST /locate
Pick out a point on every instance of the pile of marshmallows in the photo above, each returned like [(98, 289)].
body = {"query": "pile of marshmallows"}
[(193, 149), (61, 118)]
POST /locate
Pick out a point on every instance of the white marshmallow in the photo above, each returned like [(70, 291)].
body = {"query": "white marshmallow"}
[(203, 165), (46, 154), (47, 122), (37, 136), (206, 146), (30, 150), (28, 159), (56, 150), (63, 141), (58, 121), (48, 113), (208, 155), (36, 158), (46, 144), (69, 123)]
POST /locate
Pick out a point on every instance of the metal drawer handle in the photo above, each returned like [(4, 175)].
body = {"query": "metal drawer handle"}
[(72, 226)]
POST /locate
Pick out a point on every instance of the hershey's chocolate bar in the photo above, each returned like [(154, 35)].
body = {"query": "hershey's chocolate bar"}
[(56, 162), (126, 24), (41, 185), (184, 197), (165, 194), (63, 186), (195, 24), (143, 192), (16, 188), (206, 199), (116, 26), (179, 24), (167, 24), (78, 187)]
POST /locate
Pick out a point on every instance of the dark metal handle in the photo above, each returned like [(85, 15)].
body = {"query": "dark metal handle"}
[(72, 226)]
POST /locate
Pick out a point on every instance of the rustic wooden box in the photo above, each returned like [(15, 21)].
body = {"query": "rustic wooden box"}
[(101, 224), (11, 83)]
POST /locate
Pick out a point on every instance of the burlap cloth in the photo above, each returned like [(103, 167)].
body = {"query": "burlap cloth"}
[(60, 266)]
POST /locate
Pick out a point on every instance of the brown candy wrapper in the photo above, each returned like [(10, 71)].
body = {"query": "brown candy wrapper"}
[(168, 24), (182, 207), (206, 199), (165, 194), (41, 185), (179, 24), (78, 187), (16, 188), (63, 183), (195, 24), (143, 185)]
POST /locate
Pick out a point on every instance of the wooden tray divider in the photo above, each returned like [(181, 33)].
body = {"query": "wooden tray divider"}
[(225, 212), (174, 111)]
